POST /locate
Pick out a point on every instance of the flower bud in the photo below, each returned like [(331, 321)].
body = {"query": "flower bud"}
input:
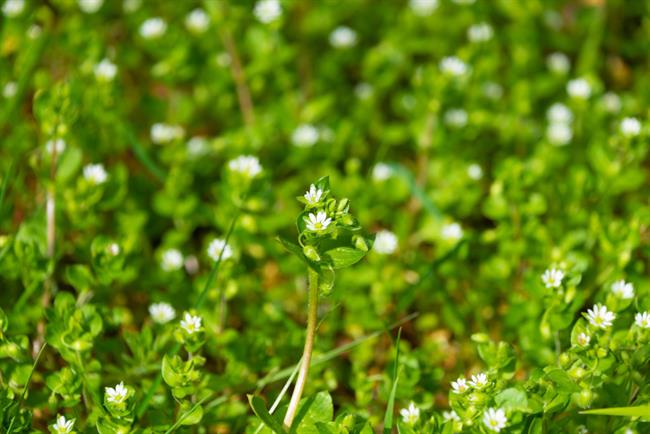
[(311, 253), (344, 206), (584, 398), (360, 243), (564, 359), (577, 372)]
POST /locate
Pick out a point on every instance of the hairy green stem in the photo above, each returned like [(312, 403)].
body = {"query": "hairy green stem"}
[(312, 317)]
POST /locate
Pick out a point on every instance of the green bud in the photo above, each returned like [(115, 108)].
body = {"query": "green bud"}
[(347, 220), (577, 372), (601, 352), (311, 253), (360, 243), (564, 359), (344, 206), (584, 398)]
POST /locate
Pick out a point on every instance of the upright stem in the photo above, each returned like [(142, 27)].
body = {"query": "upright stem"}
[(312, 317)]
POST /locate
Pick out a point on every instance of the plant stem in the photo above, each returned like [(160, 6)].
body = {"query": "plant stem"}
[(312, 317)]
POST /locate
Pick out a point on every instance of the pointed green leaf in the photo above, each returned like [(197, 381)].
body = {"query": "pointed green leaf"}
[(258, 406)]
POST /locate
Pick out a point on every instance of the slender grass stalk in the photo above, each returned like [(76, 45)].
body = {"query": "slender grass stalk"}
[(29, 379), (312, 317)]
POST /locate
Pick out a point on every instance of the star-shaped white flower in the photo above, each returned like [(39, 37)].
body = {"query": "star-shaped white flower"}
[(172, 259), (117, 394), (385, 242), (460, 385), (246, 165), (62, 426), (191, 323), (600, 317), (162, 312), (552, 278), (642, 319), (452, 231), (453, 66), (216, 247), (450, 416), (495, 419), (583, 339), (313, 195), (630, 127), (317, 222), (267, 11), (153, 28), (105, 70), (479, 381), (95, 173), (623, 289), (411, 414)]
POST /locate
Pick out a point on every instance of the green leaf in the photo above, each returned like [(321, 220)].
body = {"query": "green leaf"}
[(342, 257), (313, 409), (80, 277), (258, 406), (562, 381), (169, 371), (192, 416), (512, 398), (642, 411), (390, 407)]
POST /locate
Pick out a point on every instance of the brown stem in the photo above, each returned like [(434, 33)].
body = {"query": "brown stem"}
[(243, 93)]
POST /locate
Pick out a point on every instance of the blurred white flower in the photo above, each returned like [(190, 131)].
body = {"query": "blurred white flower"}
[(90, 6), (95, 173), (343, 37), (153, 28), (34, 31), (612, 102), (459, 386), (363, 91), (57, 145), (474, 171), (304, 136), (215, 248), (600, 317), (464, 2), (172, 259), (162, 312), (164, 133), (559, 113), (495, 419), (197, 21), (630, 127), (62, 426), (456, 118), (10, 89), (410, 415), (131, 6), (223, 59), (114, 249), (197, 146), (192, 264), (381, 172), (452, 231), (479, 381), (453, 66), (313, 195), (13, 8), (642, 320), (558, 63), (385, 242), (191, 323), (552, 278), (117, 394), (623, 289), (317, 222), (246, 165), (105, 70), (492, 90), (423, 8), (481, 32), (267, 11), (559, 134), (583, 339), (450, 416), (578, 88)]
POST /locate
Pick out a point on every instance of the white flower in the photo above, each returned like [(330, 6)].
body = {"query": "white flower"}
[(95, 173), (623, 289), (267, 11), (162, 312), (479, 381), (460, 385), (381, 172), (581, 429), (423, 8), (34, 31), (114, 249), (559, 113), (172, 259), (612, 102), (13, 8), (579, 88), (558, 63), (105, 70), (552, 278), (456, 118), (313, 195), (630, 127), (165, 133), (62, 426), (343, 37), (363, 91), (452, 231), (495, 419), (305, 136), (10, 89), (197, 146), (131, 6), (153, 28), (474, 171), (583, 339), (600, 317), (317, 222), (493, 90), (559, 134), (116, 395), (450, 416), (191, 323), (453, 66), (215, 248), (246, 165), (642, 319), (480, 32), (57, 145), (385, 242), (90, 6), (411, 414), (197, 21)]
